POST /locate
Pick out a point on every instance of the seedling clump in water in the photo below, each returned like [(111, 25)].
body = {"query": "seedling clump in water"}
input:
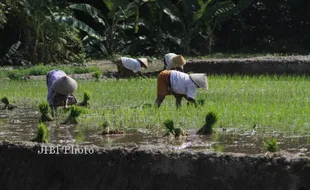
[(86, 98), (44, 109), (42, 134), (75, 111), (271, 145), (172, 131), (108, 131), (207, 129), (7, 104)]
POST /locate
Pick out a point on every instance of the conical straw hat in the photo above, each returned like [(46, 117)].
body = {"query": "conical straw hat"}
[(179, 60), (65, 85), (200, 79), (144, 61)]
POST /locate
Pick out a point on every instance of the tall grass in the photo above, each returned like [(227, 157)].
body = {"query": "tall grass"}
[(271, 103)]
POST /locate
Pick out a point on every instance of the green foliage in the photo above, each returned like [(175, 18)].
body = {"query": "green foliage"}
[(40, 69), (274, 103), (171, 130), (86, 98), (271, 145), (44, 110), (211, 118), (207, 129), (43, 107), (3, 18), (79, 137), (42, 134), (75, 111), (97, 75)]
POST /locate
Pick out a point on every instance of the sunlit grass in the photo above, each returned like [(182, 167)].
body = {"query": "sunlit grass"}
[(271, 103)]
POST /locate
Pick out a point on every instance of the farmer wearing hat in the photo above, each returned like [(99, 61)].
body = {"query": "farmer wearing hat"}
[(173, 61), (179, 84), (60, 89), (129, 67)]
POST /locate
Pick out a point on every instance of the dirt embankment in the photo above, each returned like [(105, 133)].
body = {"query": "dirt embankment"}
[(296, 65), (256, 65), (22, 167)]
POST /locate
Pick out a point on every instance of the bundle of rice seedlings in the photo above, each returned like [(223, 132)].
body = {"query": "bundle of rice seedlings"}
[(169, 126), (108, 131), (44, 109), (86, 98), (172, 131), (42, 134), (207, 129), (7, 104), (271, 145), (75, 112)]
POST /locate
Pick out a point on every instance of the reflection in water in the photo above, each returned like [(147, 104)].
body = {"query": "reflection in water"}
[(21, 125)]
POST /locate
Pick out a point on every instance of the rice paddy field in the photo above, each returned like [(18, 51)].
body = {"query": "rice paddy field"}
[(264, 103)]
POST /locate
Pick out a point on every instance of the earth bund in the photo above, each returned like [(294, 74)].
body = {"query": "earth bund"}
[(137, 167), (297, 65)]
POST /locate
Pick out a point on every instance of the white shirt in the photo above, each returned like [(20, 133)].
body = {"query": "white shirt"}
[(131, 64), (170, 63), (181, 83)]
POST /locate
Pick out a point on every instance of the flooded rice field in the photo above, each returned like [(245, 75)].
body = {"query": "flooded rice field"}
[(21, 124)]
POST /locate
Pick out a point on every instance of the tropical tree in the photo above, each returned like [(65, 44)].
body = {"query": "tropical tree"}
[(192, 15), (109, 37), (39, 37)]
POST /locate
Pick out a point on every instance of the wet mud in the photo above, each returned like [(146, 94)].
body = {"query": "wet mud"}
[(22, 166), (21, 125)]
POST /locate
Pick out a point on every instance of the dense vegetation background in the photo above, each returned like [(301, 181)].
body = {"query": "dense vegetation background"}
[(65, 31)]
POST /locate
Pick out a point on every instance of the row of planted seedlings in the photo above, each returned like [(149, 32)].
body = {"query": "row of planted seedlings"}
[(170, 130), (259, 102), (272, 103)]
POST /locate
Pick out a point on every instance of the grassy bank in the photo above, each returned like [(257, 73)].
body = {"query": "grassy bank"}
[(19, 73), (270, 103)]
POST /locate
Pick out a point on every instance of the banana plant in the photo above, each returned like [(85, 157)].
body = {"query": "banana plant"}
[(192, 15), (109, 38), (37, 15)]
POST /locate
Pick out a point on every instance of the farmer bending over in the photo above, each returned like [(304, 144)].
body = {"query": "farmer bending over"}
[(129, 67), (179, 84), (60, 90), (173, 61)]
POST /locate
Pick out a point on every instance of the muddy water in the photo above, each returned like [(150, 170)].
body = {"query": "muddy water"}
[(21, 124)]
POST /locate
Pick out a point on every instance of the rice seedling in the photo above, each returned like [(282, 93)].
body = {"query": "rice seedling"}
[(207, 129), (44, 110), (75, 112), (7, 104), (172, 131), (107, 130), (86, 98), (97, 75), (271, 145), (42, 134), (274, 103)]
